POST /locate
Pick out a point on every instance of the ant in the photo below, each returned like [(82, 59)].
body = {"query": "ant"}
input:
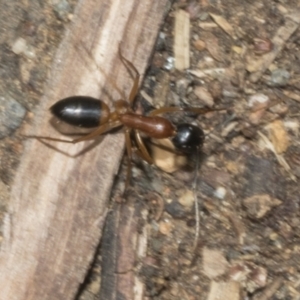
[(90, 113)]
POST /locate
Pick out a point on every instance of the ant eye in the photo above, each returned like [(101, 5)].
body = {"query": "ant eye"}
[(188, 138)]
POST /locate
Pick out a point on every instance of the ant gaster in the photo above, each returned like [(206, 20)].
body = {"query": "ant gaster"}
[(88, 112)]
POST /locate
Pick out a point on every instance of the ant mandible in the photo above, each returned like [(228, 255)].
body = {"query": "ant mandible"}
[(88, 112)]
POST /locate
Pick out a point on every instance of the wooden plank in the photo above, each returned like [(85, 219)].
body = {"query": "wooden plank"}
[(58, 203)]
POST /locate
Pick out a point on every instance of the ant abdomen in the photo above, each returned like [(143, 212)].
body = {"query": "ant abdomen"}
[(188, 138), (81, 111)]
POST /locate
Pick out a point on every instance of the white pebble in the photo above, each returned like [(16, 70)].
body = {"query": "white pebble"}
[(19, 46)]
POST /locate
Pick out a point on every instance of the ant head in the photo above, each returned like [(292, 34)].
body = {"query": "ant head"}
[(188, 138)]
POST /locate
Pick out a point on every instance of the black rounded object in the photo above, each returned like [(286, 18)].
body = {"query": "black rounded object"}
[(189, 138), (80, 111)]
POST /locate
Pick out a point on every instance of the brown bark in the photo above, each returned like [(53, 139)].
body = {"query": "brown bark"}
[(58, 203)]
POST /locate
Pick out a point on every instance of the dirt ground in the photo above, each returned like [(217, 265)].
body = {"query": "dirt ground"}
[(243, 57)]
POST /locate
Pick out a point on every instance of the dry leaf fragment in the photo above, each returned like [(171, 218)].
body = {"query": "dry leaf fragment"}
[(212, 45), (204, 96), (259, 205), (217, 73), (224, 290), (269, 145), (292, 95), (207, 25), (165, 159), (214, 263), (262, 46), (223, 24), (182, 40), (250, 275), (278, 136), (258, 66)]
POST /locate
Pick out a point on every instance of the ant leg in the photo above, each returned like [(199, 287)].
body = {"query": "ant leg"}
[(100, 130), (129, 156), (197, 110), (92, 61), (81, 152), (134, 89), (129, 65), (166, 148), (142, 150)]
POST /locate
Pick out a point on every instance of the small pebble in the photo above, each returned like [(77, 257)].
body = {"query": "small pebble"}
[(62, 8), (220, 193), (175, 209), (187, 199), (169, 64), (279, 77), (199, 45), (254, 101), (19, 46), (165, 227)]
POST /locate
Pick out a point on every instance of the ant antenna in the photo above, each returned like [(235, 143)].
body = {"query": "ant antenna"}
[(196, 202)]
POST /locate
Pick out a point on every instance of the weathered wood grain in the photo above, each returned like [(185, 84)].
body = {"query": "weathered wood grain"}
[(58, 203)]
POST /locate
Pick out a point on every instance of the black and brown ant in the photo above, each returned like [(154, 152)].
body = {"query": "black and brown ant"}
[(91, 113)]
